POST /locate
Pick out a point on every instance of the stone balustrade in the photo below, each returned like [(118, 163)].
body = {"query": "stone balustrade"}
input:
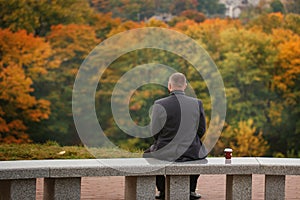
[(62, 178)]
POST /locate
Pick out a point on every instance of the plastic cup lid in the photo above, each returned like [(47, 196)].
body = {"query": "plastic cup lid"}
[(227, 150)]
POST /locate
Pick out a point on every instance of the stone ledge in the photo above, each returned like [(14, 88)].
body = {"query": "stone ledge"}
[(279, 166), (237, 165), (24, 169), (73, 168), (143, 167), (110, 167), (215, 166)]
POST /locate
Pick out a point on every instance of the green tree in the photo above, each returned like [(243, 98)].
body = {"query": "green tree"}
[(134, 10), (178, 6), (267, 22), (71, 44), (277, 6), (38, 16), (211, 7), (292, 22)]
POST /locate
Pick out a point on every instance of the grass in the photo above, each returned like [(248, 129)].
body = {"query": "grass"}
[(51, 150)]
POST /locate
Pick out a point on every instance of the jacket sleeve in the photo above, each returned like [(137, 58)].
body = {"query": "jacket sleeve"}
[(202, 121), (158, 118)]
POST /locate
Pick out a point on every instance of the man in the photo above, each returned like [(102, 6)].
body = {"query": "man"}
[(177, 124)]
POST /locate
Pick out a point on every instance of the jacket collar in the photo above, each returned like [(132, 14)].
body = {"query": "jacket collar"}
[(176, 92)]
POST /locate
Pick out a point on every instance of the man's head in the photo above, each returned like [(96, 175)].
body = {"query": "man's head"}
[(177, 81)]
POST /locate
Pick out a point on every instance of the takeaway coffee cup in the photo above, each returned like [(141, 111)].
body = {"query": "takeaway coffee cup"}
[(228, 153)]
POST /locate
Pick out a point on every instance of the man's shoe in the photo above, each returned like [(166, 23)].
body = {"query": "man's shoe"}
[(194, 195), (161, 195)]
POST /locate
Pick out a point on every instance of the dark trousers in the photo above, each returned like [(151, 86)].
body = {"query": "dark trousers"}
[(160, 182)]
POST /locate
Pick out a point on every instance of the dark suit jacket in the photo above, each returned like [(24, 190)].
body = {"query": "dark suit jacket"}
[(177, 125)]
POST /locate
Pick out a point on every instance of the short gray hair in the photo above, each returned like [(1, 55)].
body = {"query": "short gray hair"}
[(177, 80)]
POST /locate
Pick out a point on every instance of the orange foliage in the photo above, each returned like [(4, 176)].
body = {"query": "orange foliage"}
[(25, 50), (128, 25), (16, 133), (277, 15), (193, 15), (24, 58), (17, 105), (208, 32), (72, 41), (220, 24), (210, 27), (105, 23), (287, 64), (245, 140), (185, 25), (156, 23)]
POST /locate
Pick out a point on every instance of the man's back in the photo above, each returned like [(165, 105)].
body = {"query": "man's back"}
[(178, 123)]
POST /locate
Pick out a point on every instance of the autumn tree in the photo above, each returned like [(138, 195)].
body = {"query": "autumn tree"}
[(207, 34), (125, 26), (286, 86), (193, 15), (287, 63), (245, 140), (156, 23), (104, 23), (30, 52), (23, 59)]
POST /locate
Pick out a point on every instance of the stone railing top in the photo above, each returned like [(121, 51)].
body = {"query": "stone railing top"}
[(215, 166), (279, 166), (141, 166), (80, 168), (279, 161)]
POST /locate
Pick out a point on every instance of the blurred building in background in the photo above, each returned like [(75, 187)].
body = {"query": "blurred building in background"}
[(234, 7)]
